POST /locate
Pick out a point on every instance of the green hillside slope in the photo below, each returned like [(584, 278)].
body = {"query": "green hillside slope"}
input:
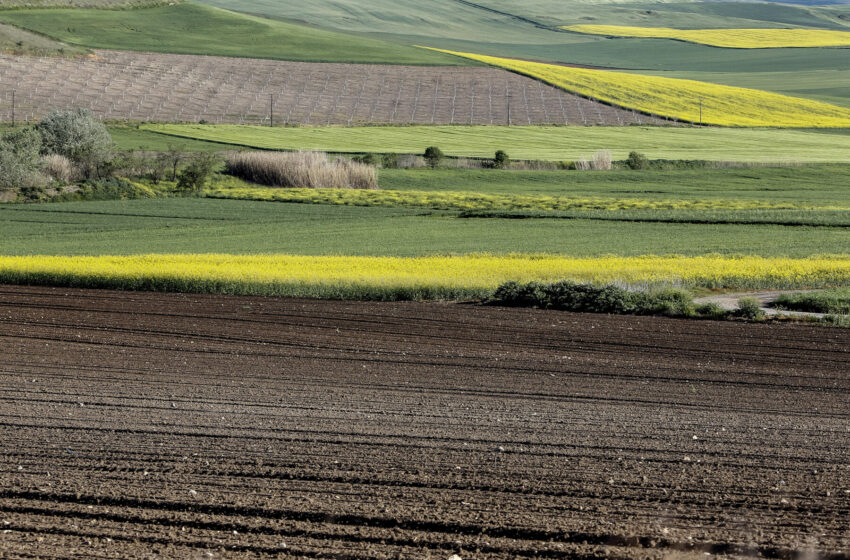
[(194, 29)]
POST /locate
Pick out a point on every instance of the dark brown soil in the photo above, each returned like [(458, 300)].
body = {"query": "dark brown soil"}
[(141, 425)]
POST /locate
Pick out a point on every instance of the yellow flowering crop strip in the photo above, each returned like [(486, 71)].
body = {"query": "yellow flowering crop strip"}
[(680, 99), (460, 200), (385, 278), (729, 38)]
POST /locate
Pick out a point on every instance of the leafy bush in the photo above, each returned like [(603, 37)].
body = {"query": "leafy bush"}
[(590, 298), (159, 167), (668, 301), (637, 160), (366, 159), (111, 188), (20, 161), (194, 176), (513, 294), (78, 136), (389, 161), (828, 301), (711, 310), (501, 160), (749, 308), (836, 321), (433, 156)]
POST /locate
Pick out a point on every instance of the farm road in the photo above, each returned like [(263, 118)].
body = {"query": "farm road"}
[(766, 299), (138, 425)]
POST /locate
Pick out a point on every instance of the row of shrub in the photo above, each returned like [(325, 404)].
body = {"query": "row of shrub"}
[(72, 146), (828, 301), (434, 157), (612, 299), (110, 188)]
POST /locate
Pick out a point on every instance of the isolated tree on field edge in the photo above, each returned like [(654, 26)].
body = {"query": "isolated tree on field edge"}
[(78, 136), (433, 156)]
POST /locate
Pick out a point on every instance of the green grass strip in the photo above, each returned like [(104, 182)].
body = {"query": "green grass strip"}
[(550, 143)]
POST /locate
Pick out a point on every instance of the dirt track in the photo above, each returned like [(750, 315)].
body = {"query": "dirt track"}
[(144, 425)]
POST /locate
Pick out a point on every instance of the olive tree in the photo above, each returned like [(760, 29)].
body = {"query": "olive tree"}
[(20, 160), (77, 135)]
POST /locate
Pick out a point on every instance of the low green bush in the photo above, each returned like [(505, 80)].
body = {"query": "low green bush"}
[(433, 156), (827, 301), (637, 161), (389, 161), (501, 160), (590, 298), (111, 188), (749, 308), (366, 159), (195, 175), (711, 311)]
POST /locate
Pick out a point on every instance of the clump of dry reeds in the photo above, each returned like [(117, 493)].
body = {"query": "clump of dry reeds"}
[(60, 168), (599, 161), (301, 170)]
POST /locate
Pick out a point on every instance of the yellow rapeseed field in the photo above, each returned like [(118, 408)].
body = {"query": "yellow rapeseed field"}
[(460, 200), (730, 38), (411, 278), (686, 100)]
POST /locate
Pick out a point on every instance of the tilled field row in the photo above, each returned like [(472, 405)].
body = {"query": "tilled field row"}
[(154, 425), (186, 88)]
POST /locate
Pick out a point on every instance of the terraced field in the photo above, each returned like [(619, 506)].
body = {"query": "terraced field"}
[(383, 430), (186, 88)]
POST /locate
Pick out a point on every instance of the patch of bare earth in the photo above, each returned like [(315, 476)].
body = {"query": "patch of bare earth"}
[(138, 425)]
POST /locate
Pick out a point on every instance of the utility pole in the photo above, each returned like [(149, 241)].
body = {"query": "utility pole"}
[(700, 111), (509, 109), (13, 108), (271, 109)]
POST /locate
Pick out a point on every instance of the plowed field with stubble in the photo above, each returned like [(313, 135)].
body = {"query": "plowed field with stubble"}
[(180, 426), (187, 88)]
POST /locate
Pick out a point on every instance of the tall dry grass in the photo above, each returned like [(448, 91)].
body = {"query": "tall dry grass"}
[(60, 168), (310, 170), (599, 161)]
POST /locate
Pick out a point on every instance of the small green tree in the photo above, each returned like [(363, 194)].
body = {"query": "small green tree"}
[(433, 156), (501, 160), (194, 176), (389, 161), (20, 158), (637, 160), (173, 156), (78, 136)]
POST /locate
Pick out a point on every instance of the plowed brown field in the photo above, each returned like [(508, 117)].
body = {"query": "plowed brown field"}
[(186, 88), (140, 425)]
